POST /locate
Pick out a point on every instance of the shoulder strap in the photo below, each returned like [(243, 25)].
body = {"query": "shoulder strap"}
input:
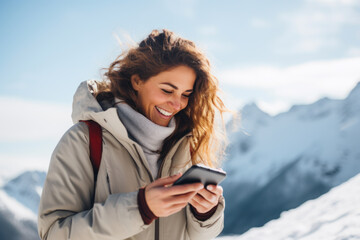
[(95, 136)]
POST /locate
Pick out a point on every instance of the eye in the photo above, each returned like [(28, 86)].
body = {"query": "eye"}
[(186, 95), (166, 91)]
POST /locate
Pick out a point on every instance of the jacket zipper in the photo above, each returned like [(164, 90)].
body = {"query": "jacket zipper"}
[(157, 229), (152, 179), (157, 221)]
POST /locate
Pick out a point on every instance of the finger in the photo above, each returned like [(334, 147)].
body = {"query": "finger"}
[(183, 189), (193, 203), (167, 201), (216, 189), (198, 206), (166, 180), (176, 208), (209, 196), (183, 198), (166, 211), (204, 202)]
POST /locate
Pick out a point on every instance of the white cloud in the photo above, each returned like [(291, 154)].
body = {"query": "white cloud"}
[(317, 25), (31, 120), (30, 130), (303, 83), (273, 107), (11, 165)]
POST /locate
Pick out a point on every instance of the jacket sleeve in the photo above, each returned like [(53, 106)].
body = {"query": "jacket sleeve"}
[(209, 228), (66, 210)]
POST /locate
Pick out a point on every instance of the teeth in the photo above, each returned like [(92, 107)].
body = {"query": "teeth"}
[(163, 112)]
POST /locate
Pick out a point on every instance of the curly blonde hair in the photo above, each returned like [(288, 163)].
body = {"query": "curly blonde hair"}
[(159, 52)]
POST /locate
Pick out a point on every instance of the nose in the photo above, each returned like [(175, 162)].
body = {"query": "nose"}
[(175, 102)]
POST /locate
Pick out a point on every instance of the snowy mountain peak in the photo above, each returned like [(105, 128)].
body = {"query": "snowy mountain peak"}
[(252, 117), (29, 178), (319, 109), (252, 110), (355, 91), (249, 118), (351, 105), (26, 188)]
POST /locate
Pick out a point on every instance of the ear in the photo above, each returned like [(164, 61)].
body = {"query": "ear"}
[(136, 82)]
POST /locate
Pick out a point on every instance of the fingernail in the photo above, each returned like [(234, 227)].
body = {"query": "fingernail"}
[(209, 187)]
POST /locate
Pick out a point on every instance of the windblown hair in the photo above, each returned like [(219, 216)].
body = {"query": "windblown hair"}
[(159, 52)]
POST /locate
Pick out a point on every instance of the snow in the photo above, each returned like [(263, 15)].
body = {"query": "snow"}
[(38, 190), (26, 189), (277, 141), (325, 129), (333, 216), (19, 210)]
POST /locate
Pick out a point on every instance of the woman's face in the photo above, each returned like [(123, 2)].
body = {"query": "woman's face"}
[(164, 95)]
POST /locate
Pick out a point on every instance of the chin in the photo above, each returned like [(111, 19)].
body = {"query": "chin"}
[(163, 124)]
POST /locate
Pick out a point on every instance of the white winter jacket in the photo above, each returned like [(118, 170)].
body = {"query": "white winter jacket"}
[(66, 208)]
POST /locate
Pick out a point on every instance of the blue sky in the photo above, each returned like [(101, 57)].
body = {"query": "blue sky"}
[(276, 53), (47, 44)]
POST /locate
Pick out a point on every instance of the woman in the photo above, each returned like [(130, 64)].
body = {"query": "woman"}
[(156, 109)]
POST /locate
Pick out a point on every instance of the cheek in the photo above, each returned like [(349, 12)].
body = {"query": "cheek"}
[(159, 99), (150, 98)]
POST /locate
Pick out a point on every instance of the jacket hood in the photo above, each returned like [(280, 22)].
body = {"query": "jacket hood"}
[(86, 107), (84, 102)]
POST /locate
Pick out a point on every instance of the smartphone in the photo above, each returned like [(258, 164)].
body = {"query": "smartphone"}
[(203, 174)]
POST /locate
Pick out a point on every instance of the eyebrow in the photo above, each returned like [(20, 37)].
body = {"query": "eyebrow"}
[(175, 87)]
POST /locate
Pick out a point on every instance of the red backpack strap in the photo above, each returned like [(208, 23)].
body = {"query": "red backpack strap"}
[(95, 136)]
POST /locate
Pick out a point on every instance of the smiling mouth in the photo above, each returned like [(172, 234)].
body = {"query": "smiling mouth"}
[(163, 112)]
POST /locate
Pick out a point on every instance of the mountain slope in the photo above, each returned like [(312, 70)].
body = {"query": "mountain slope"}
[(335, 215), (26, 189), (19, 200), (16, 221), (276, 163)]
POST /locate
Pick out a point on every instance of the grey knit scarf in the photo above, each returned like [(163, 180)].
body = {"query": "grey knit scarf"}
[(147, 134)]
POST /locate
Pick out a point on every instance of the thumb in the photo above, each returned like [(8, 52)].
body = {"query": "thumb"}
[(166, 180)]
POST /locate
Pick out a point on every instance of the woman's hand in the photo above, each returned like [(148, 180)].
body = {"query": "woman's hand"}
[(164, 200), (207, 198)]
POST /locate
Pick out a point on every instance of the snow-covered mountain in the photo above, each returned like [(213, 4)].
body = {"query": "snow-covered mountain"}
[(334, 215), (277, 163), (19, 201), (26, 189)]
